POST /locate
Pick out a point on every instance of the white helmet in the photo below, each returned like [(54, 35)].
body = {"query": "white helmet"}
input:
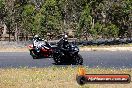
[(36, 36), (45, 40)]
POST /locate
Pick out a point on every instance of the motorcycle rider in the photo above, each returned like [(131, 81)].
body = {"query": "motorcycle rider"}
[(62, 44), (36, 42)]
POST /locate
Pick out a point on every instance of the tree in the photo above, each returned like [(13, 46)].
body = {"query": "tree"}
[(97, 30), (2, 9), (85, 22), (50, 18), (96, 18), (113, 30), (2, 15), (28, 19)]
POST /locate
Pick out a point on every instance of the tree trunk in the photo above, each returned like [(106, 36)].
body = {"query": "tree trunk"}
[(22, 37), (92, 24), (5, 29), (9, 34), (65, 16), (16, 34), (26, 36)]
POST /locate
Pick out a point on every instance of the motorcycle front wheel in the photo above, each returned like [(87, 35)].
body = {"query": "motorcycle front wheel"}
[(78, 60), (57, 59), (32, 53)]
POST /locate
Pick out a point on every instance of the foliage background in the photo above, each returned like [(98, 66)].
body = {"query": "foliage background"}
[(86, 19)]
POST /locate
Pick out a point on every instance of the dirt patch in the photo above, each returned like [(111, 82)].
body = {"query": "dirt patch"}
[(112, 48), (11, 49)]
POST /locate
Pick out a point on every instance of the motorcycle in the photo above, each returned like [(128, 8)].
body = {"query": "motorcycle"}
[(45, 51), (69, 55)]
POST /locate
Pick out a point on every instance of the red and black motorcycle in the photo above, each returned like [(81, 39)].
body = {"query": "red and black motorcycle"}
[(43, 52)]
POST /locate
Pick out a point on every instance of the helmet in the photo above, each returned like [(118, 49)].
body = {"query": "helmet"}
[(45, 40), (65, 36), (36, 36)]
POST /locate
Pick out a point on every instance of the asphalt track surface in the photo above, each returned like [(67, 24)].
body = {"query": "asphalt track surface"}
[(93, 59)]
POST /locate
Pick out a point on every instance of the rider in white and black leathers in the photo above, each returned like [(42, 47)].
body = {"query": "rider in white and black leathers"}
[(36, 40), (38, 43)]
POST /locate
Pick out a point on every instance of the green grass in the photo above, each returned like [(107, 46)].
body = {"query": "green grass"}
[(54, 77)]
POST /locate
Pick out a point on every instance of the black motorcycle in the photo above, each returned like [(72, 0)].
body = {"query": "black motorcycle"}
[(69, 55)]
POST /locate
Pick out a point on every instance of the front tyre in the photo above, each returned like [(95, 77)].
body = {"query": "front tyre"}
[(32, 53), (78, 60), (57, 59)]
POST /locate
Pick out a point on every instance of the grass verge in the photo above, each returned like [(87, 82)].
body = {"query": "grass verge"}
[(54, 77)]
